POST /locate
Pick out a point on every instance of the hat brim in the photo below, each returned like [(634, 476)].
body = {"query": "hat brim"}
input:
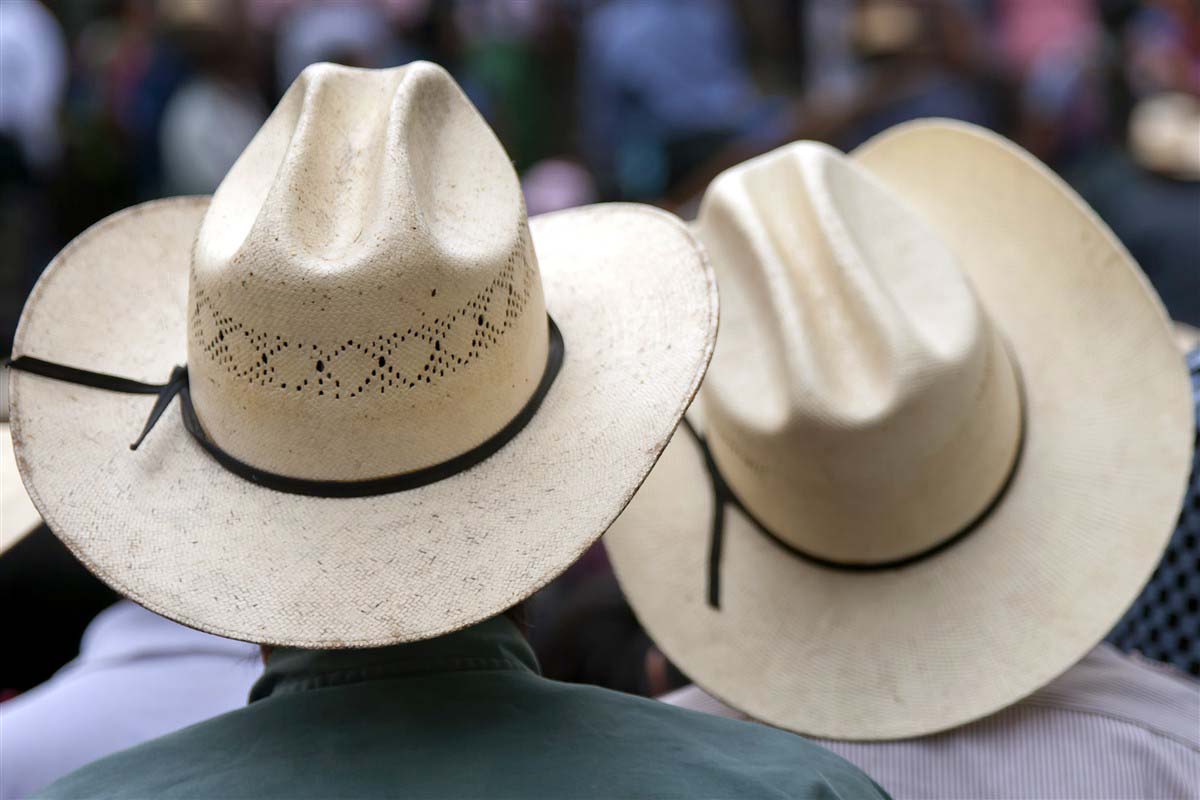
[(18, 516), (173, 530), (1000, 613)]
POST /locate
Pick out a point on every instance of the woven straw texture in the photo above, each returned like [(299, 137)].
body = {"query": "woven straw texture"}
[(168, 527), (363, 285), (878, 373), (949, 639), (1164, 622)]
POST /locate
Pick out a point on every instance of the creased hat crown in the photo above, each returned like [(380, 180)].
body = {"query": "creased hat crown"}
[(365, 297), (857, 380)]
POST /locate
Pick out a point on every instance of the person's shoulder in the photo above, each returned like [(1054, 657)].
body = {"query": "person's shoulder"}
[(654, 715), (717, 751), (152, 768), (1131, 691)]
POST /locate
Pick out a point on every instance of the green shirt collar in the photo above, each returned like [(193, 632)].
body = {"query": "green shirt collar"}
[(491, 645)]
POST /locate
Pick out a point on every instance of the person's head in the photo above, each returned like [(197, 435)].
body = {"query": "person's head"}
[(590, 635)]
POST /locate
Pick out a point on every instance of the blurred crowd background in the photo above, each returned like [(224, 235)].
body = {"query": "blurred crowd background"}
[(105, 103)]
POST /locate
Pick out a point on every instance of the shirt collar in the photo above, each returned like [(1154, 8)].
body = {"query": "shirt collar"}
[(491, 645)]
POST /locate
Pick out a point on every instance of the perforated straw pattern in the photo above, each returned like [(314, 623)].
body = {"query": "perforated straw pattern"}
[(427, 349), (1164, 622), (174, 530)]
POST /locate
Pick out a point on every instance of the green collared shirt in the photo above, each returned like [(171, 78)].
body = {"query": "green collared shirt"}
[(463, 716)]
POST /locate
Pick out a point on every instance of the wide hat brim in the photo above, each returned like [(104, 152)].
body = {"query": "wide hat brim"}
[(170, 528), (1003, 611)]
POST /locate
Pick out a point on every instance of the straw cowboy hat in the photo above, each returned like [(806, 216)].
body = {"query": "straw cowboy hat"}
[(405, 406), (940, 449)]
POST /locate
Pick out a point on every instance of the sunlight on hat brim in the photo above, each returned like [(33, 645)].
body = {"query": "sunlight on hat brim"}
[(171, 529), (1001, 613)]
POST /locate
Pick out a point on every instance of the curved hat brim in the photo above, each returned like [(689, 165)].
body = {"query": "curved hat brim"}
[(1000, 613), (170, 528)]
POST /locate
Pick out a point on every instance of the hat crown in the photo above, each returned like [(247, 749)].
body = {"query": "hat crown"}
[(364, 294), (856, 374)]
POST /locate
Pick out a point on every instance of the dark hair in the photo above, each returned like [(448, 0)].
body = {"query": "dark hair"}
[(588, 634), (40, 573)]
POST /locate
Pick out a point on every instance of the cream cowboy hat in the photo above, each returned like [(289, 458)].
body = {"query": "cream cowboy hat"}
[(405, 406), (947, 426)]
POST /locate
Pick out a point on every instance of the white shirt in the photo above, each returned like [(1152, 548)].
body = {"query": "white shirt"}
[(33, 77), (206, 125), (138, 676), (1112, 726)]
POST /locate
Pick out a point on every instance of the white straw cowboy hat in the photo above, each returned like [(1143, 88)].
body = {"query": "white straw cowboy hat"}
[(381, 434), (949, 431)]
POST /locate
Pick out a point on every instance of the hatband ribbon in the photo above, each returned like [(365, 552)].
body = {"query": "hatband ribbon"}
[(724, 496), (177, 385)]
